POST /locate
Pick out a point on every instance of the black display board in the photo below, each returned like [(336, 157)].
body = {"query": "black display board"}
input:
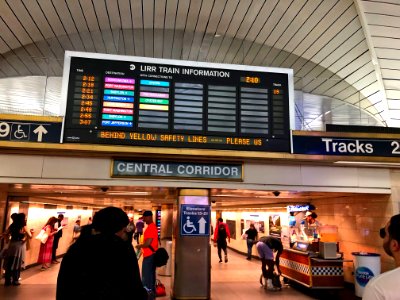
[(144, 102)]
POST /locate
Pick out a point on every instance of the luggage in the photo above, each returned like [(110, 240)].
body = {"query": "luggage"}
[(276, 281)]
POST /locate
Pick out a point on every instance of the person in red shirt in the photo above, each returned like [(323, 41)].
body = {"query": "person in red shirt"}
[(221, 233), (149, 246)]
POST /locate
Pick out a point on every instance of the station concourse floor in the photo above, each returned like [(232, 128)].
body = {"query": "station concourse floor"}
[(236, 280)]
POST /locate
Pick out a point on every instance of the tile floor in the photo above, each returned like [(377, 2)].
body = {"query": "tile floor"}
[(237, 279)]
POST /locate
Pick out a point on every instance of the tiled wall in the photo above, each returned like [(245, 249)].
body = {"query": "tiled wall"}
[(359, 220)]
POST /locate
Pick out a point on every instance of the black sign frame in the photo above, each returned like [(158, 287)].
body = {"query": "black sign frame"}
[(278, 138)]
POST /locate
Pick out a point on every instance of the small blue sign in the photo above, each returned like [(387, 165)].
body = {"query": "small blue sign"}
[(195, 220), (363, 276)]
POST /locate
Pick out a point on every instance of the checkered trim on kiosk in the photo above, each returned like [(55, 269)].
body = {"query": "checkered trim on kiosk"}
[(302, 268), (327, 271)]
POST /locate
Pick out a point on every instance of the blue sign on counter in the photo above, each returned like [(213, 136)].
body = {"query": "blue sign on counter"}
[(195, 220)]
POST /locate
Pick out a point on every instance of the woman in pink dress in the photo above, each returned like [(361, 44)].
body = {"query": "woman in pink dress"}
[(46, 248)]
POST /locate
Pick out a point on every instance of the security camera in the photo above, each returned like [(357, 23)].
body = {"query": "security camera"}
[(276, 193), (104, 188), (213, 201)]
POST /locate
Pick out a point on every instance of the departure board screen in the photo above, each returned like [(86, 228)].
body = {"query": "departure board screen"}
[(127, 100)]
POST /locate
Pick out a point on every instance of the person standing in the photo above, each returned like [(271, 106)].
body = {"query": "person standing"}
[(46, 249), (265, 248), (76, 230), (252, 235), (221, 233), (15, 253), (311, 226), (57, 238), (149, 246), (130, 229), (101, 264), (139, 229), (385, 285)]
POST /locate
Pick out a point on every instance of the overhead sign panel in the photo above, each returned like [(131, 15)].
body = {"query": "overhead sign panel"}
[(346, 146), (30, 131), (140, 101)]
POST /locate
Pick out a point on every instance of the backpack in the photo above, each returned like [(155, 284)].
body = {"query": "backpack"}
[(160, 256), (222, 232)]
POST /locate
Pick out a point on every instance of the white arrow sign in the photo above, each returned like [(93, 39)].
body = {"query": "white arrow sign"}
[(40, 130), (202, 225)]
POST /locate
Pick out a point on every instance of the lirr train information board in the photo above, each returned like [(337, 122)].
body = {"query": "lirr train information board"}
[(155, 102)]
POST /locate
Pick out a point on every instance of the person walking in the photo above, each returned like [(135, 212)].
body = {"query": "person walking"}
[(46, 249), (251, 239), (221, 233), (57, 238), (384, 286), (148, 247), (101, 264), (266, 247)]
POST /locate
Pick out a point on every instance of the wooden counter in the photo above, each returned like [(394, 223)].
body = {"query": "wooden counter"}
[(311, 271)]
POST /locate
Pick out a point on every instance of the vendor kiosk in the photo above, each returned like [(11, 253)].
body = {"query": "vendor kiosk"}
[(306, 268), (311, 257)]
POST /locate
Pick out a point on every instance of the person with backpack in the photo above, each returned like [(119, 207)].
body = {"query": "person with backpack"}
[(221, 233)]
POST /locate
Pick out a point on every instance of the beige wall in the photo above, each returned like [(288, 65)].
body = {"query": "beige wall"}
[(358, 219), (37, 217)]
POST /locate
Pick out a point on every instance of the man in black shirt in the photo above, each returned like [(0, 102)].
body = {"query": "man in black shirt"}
[(57, 238), (252, 234)]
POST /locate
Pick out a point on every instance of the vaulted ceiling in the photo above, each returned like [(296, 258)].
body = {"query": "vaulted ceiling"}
[(344, 53)]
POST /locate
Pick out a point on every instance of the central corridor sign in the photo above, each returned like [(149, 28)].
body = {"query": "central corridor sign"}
[(212, 171)]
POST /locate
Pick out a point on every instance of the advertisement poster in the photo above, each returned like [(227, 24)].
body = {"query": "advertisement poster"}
[(275, 225)]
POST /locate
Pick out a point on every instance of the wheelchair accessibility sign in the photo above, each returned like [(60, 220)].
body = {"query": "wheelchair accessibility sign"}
[(30, 131), (195, 220)]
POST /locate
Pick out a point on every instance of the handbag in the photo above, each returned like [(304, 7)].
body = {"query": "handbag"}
[(42, 236), (160, 289), (161, 256)]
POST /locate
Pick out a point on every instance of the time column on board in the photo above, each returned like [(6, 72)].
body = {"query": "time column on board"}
[(86, 100)]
